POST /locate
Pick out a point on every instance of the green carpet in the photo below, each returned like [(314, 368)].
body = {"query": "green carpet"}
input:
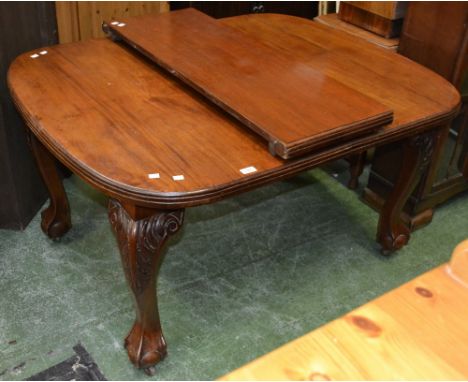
[(241, 278)]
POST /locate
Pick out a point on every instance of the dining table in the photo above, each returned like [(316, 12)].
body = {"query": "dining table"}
[(177, 110)]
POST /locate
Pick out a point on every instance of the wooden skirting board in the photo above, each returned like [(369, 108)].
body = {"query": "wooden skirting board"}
[(418, 331)]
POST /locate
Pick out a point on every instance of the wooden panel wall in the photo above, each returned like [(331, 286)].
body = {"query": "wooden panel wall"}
[(81, 20)]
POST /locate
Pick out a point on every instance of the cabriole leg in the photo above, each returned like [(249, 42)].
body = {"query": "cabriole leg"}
[(56, 220), (141, 234), (392, 233)]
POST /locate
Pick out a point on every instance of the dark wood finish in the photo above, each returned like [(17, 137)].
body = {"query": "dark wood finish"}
[(392, 233), (389, 158), (356, 167), (358, 161), (255, 89), (23, 26), (141, 234), (113, 117), (127, 100), (219, 9), (56, 219), (375, 23), (436, 36)]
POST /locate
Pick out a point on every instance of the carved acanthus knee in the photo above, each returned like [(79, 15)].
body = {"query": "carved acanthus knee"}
[(140, 242)]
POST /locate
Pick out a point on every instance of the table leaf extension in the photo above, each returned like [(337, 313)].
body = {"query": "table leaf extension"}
[(294, 106)]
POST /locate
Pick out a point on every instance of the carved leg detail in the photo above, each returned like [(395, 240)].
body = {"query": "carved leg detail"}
[(392, 233), (56, 220), (141, 238)]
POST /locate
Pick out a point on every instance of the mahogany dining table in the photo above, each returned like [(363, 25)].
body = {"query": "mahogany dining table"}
[(156, 143)]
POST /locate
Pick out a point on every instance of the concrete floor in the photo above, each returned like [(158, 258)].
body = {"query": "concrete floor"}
[(243, 277)]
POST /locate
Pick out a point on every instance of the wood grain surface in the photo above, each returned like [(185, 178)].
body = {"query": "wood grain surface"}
[(124, 118), (82, 20), (418, 331), (68, 22), (254, 82)]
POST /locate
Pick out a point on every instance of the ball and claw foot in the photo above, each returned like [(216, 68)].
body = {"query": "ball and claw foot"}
[(145, 348), (390, 244), (53, 227)]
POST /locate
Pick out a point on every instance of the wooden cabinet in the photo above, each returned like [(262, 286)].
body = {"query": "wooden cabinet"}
[(384, 18), (23, 26), (333, 21), (435, 35)]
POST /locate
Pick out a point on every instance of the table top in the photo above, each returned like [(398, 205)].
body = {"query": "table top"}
[(113, 117), (416, 332), (295, 107)]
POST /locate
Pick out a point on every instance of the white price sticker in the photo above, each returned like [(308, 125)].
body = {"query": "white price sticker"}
[(248, 170)]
